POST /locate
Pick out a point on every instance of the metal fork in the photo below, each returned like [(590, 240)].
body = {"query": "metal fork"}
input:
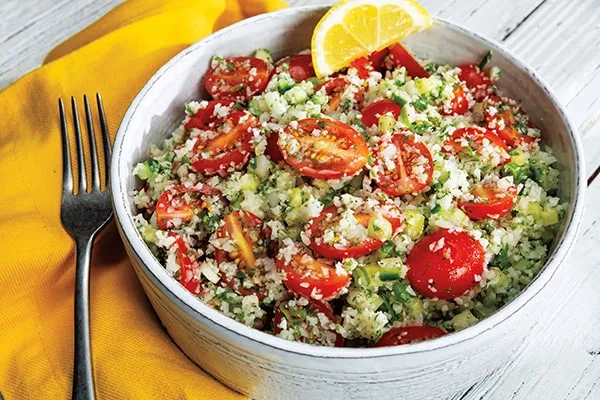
[(83, 215)]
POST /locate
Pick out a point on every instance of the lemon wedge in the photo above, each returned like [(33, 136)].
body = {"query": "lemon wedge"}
[(356, 28)]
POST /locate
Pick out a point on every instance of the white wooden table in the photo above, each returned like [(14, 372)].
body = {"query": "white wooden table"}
[(561, 39)]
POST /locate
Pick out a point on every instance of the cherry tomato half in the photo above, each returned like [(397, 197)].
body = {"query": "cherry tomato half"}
[(272, 149), (363, 67), (307, 276), (503, 123), (402, 165), (377, 59), (187, 266), (372, 112), (323, 148), (297, 317), (445, 264), (408, 334), (459, 104), (300, 66), (476, 80), (490, 202), (401, 57), (226, 140), (334, 88), (237, 78), (245, 230), (330, 217), (179, 204), (471, 141)]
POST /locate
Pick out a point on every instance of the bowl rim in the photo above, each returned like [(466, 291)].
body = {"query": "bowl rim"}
[(195, 308)]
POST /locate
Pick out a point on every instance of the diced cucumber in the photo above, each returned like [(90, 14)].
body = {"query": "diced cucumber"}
[(315, 81), (550, 217), (295, 197), (518, 157), (456, 216), (296, 95), (263, 54), (516, 171), (415, 307), (319, 98), (293, 232), (379, 228), (424, 85), (394, 263), (387, 274), (485, 60), (285, 83), (142, 170), (535, 209), (415, 221), (401, 97), (386, 123), (463, 320), (407, 115), (149, 234), (249, 182), (262, 166)]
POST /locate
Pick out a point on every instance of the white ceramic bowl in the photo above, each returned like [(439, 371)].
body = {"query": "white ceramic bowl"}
[(265, 366)]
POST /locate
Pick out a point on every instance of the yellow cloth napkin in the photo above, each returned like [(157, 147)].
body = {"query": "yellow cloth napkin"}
[(133, 356)]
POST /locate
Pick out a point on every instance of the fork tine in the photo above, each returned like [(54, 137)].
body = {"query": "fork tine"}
[(105, 137), (92, 140), (80, 156), (67, 173)]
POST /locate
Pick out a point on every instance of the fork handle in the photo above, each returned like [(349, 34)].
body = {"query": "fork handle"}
[(83, 378)]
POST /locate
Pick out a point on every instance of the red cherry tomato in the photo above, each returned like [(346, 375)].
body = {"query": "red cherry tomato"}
[(409, 334), (445, 264), (300, 66), (245, 230), (187, 266), (377, 59), (476, 80), (307, 276), (363, 67), (459, 104), (372, 112), (172, 206), (227, 140), (329, 217), (490, 202), (402, 57), (471, 140), (295, 317), (272, 148), (323, 149), (335, 88), (402, 165), (503, 123), (237, 78)]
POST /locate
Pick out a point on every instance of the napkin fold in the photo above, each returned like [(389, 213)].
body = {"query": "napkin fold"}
[(133, 355)]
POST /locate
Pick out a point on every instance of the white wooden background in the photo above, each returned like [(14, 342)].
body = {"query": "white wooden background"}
[(561, 39)]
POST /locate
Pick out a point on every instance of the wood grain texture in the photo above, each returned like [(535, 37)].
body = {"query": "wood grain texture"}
[(560, 39)]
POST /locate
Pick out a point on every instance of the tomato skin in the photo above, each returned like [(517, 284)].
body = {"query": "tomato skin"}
[(343, 152), (231, 78), (334, 88), (187, 266), (317, 306), (401, 180), (402, 57), (408, 334), (377, 59), (503, 123), (233, 144), (459, 104), (300, 67), (306, 276), (245, 230), (317, 226), (445, 264), (272, 149), (475, 79), (492, 202), (475, 136), (171, 204), (363, 67), (381, 107)]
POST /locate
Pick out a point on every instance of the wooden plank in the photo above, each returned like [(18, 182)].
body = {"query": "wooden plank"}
[(28, 33), (561, 40)]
